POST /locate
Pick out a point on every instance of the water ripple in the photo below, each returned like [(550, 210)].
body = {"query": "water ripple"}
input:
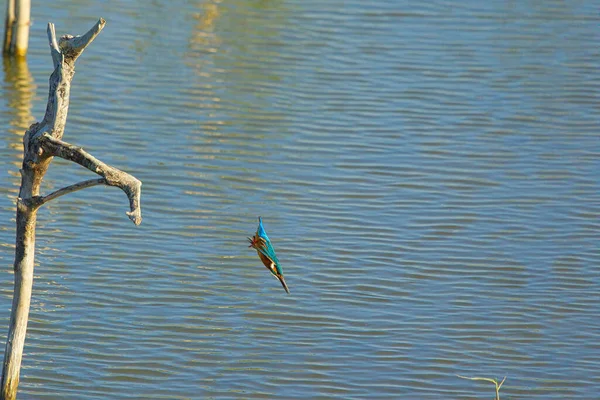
[(428, 174)]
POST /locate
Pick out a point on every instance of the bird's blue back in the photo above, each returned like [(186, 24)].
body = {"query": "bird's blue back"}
[(268, 250)]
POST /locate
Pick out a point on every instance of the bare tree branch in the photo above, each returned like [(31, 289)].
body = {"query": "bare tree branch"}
[(38, 201), (113, 176), (54, 50), (73, 46), (64, 53)]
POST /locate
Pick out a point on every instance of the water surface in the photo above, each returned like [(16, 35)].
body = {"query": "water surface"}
[(428, 174)]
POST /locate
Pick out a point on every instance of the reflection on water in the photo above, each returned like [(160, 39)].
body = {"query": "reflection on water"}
[(428, 173), (203, 36), (19, 92), (203, 44)]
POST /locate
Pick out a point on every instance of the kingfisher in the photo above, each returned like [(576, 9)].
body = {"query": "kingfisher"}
[(260, 241)]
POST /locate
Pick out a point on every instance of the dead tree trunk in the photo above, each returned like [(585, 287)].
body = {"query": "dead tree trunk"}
[(42, 142)]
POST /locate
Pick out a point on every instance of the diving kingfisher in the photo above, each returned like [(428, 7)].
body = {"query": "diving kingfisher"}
[(266, 252)]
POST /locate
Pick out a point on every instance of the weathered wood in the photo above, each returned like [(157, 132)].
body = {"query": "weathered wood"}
[(40, 200), (41, 143), (50, 146)]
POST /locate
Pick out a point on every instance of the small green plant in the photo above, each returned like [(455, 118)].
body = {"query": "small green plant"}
[(494, 381)]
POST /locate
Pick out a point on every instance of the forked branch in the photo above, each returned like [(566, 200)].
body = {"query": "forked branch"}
[(112, 176), (72, 46)]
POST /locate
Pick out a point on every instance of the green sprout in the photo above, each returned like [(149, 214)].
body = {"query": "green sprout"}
[(494, 381)]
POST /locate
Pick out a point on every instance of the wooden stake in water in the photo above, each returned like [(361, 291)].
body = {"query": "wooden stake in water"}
[(16, 27)]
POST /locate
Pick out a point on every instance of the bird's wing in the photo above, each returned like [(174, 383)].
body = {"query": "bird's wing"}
[(266, 248)]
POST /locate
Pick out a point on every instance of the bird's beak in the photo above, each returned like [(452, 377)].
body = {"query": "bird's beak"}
[(280, 277)]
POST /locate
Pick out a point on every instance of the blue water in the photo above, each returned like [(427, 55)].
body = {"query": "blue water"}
[(428, 174)]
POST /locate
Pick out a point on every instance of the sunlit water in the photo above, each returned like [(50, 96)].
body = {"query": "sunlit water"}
[(428, 173)]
